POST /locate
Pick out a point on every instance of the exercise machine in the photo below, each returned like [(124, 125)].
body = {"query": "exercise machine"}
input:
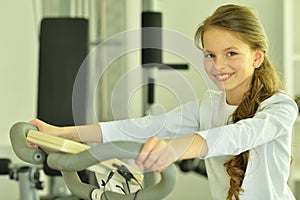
[(69, 163), (27, 176)]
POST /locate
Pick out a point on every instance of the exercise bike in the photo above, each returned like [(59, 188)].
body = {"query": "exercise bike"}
[(60, 156)]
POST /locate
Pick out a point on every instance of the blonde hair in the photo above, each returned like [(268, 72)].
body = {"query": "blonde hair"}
[(243, 22)]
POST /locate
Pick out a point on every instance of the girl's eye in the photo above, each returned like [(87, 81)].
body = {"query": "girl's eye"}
[(231, 53), (209, 56)]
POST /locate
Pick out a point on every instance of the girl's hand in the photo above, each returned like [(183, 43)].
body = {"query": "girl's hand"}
[(69, 132), (44, 127), (156, 155), (87, 133)]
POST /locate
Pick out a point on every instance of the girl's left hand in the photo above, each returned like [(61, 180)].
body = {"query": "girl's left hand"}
[(156, 155)]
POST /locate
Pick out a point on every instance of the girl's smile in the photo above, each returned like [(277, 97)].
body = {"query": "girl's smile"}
[(222, 77)]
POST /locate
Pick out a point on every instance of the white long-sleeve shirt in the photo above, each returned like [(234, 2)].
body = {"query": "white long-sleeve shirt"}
[(267, 135)]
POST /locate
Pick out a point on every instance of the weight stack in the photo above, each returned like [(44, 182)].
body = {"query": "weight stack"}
[(63, 48)]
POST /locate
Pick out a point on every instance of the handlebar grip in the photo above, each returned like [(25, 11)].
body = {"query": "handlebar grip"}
[(78, 188), (94, 155), (18, 133)]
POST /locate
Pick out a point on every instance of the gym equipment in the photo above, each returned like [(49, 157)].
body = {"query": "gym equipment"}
[(69, 164), (27, 176), (193, 165), (152, 58), (63, 47)]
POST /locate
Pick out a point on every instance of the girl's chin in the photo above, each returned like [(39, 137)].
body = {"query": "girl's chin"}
[(220, 85)]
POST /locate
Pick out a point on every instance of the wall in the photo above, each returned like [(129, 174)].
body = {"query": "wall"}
[(18, 77), (18, 65), (296, 45)]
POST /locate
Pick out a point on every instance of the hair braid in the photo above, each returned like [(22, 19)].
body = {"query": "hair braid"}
[(261, 90)]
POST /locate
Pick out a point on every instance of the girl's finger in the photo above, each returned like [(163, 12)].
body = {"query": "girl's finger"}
[(146, 149), (36, 123), (155, 155)]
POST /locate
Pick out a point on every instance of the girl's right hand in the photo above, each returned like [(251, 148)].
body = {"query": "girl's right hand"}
[(45, 128), (86, 133), (67, 132)]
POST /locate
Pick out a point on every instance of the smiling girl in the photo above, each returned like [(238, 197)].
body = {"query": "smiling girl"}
[(243, 131)]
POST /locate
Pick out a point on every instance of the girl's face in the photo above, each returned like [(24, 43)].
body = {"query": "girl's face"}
[(229, 62)]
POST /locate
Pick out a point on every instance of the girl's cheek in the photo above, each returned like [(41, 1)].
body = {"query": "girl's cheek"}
[(208, 67), (235, 64)]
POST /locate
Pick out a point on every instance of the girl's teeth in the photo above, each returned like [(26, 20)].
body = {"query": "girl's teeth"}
[(222, 77)]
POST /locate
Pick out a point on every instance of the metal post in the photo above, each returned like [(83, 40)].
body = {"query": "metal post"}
[(151, 57), (26, 186)]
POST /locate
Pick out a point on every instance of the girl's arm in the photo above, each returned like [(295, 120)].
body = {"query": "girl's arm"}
[(87, 133), (182, 120)]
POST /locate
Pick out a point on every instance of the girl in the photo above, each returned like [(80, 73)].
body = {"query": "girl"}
[(243, 131)]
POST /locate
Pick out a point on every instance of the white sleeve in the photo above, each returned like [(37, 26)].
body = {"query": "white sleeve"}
[(182, 120), (275, 117)]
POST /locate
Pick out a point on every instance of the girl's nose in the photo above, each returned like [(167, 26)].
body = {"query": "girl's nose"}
[(219, 62)]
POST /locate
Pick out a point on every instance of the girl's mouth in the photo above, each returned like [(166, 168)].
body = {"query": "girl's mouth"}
[(223, 76)]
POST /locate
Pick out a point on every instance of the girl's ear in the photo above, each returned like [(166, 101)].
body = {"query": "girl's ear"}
[(258, 58)]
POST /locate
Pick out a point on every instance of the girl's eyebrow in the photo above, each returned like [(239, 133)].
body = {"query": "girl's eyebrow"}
[(224, 50), (230, 48), (204, 50)]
